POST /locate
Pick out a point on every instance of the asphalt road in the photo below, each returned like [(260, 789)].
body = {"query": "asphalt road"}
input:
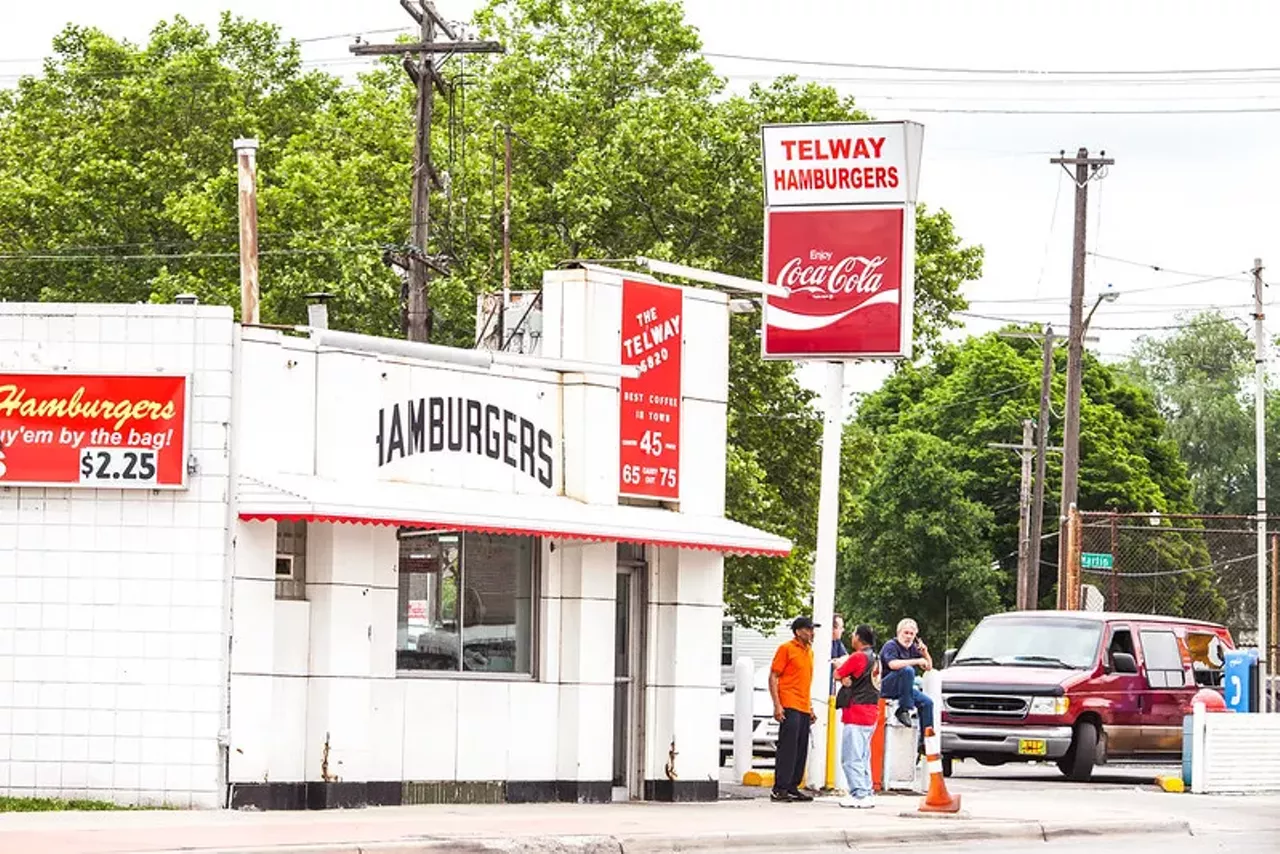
[(970, 776)]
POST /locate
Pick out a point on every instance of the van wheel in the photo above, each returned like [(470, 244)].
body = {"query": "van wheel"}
[(1078, 763), (947, 766)]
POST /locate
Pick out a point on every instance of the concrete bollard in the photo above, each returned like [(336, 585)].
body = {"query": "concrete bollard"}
[(744, 690)]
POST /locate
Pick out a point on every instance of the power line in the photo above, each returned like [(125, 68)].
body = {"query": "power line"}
[(1025, 321), (995, 111), (353, 35), (174, 256), (1044, 72), (1160, 268), (1233, 277)]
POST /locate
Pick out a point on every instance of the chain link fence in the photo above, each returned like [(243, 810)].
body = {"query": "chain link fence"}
[(1200, 567)]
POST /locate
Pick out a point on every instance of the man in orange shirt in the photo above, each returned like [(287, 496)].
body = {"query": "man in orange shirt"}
[(790, 684)]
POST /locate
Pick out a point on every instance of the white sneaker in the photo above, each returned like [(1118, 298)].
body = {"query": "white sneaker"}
[(865, 802)]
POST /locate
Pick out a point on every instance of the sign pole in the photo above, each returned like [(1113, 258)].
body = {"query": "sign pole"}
[(1260, 413), (824, 567)]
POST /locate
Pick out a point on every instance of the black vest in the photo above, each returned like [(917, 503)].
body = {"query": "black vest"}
[(864, 690)]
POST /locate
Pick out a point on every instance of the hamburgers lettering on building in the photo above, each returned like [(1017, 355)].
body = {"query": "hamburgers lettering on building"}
[(430, 425)]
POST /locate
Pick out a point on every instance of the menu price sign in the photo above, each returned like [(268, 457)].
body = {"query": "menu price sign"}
[(649, 433), (93, 430)]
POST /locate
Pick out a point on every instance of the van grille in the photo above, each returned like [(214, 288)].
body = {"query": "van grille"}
[(981, 705)]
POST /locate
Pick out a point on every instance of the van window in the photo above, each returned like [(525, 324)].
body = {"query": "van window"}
[(1207, 653), (1032, 642), (1121, 641), (1164, 660)]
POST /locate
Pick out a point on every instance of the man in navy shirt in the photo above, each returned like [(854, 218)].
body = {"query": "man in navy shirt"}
[(900, 660), (838, 650)]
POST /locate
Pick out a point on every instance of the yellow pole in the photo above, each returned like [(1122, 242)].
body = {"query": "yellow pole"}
[(831, 743)]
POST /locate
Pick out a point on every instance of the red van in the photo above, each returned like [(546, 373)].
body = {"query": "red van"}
[(1078, 687)]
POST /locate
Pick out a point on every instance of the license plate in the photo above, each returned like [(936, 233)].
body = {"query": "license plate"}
[(1032, 747)]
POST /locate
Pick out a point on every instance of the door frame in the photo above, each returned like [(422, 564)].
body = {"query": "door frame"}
[(637, 572)]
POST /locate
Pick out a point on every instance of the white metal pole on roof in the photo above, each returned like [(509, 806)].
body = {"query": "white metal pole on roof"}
[(457, 355), (824, 567), (736, 283)]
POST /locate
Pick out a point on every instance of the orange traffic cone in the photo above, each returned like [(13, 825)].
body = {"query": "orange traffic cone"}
[(938, 799)]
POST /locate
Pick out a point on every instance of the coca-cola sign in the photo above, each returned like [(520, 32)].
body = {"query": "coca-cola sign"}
[(843, 270), (852, 274)]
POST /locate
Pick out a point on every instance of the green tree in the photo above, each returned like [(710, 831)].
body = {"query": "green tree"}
[(1198, 376), (919, 545), (117, 178), (978, 392), (625, 143)]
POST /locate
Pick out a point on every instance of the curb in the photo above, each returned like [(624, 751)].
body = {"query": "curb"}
[(925, 829)]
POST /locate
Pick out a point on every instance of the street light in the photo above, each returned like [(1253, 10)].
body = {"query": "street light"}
[(1071, 431), (1105, 296)]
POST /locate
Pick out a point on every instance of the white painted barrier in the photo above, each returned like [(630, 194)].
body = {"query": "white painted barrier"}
[(744, 675), (1233, 753)]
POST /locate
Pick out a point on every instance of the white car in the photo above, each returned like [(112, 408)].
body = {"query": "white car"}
[(764, 737)]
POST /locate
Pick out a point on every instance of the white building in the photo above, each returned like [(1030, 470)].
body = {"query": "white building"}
[(355, 571)]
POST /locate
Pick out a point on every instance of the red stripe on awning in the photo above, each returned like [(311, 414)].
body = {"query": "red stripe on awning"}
[(518, 531)]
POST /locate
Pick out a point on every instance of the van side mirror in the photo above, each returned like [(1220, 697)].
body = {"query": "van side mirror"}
[(1123, 662), (948, 657)]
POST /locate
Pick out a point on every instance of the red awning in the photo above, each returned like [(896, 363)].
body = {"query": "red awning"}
[(314, 499)]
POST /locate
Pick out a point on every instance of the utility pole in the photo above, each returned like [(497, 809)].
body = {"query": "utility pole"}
[(247, 178), (1029, 590), (423, 70), (1042, 450), (1260, 414), (1026, 451), (506, 236), (1086, 169)]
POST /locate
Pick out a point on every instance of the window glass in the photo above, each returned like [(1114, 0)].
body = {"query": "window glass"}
[(497, 603), (1032, 642), (466, 602), (726, 645), (291, 559), (1163, 660)]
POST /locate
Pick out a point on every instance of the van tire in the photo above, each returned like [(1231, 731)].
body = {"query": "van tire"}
[(1078, 764), (947, 766)]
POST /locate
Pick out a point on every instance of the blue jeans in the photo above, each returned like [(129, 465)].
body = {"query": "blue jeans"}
[(855, 757), (900, 685)]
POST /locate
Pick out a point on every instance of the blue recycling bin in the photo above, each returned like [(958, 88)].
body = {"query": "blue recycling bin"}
[(1240, 680)]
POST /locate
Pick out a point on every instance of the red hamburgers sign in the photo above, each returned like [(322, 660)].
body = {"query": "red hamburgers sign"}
[(93, 430), (839, 237)]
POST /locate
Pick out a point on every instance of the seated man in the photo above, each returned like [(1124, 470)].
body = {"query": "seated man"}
[(900, 660)]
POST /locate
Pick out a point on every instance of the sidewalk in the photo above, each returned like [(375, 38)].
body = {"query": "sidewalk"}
[(626, 828)]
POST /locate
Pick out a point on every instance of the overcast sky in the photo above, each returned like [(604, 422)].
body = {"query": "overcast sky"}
[(1192, 192)]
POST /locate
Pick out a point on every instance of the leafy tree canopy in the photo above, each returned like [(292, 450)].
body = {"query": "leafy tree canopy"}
[(117, 182), (971, 394)]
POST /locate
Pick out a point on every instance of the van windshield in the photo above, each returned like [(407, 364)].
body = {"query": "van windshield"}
[(1032, 643)]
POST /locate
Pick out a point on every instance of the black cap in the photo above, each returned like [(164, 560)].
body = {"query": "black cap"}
[(803, 623)]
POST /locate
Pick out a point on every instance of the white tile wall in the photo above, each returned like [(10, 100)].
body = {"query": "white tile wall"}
[(430, 729), (111, 600)]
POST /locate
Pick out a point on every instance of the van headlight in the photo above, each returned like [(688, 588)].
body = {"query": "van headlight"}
[(1050, 705)]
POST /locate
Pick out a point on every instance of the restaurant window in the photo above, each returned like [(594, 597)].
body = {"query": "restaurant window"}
[(291, 560), (466, 602), (726, 644)]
